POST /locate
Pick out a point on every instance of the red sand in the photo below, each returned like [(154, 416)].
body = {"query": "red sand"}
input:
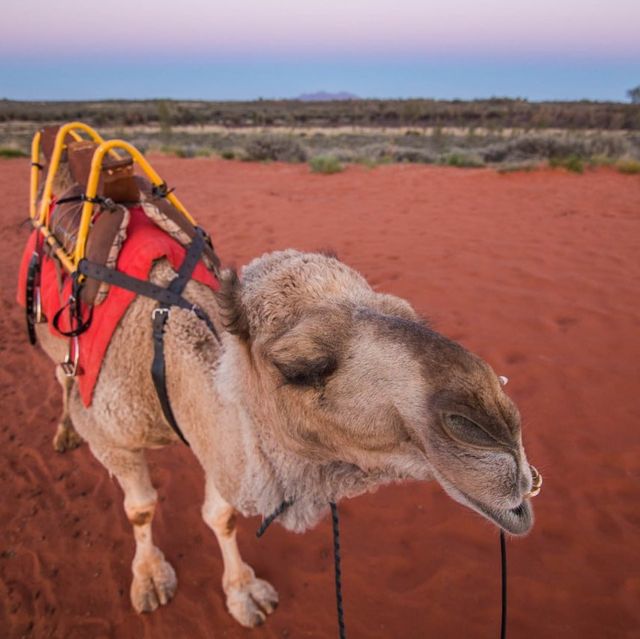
[(537, 272)]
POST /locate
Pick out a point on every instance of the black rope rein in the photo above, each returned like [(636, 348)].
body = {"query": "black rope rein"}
[(337, 567), (503, 571), (335, 521), (272, 517)]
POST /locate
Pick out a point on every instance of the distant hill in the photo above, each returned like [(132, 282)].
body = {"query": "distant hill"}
[(324, 96)]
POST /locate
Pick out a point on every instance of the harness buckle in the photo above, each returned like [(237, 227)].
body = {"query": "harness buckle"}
[(38, 314), (160, 310), (70, 365)]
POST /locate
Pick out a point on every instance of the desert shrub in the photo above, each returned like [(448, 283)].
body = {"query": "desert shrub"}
[(517, 167), (368, 162), (377, 152), (628, 166), (180, 151), (275, 147), (555, 146), (381, 153), (571, 163), (601, 160), (340, 153), (227, 154), (326, 164), (462, 160), (10, 152), (422, 156)]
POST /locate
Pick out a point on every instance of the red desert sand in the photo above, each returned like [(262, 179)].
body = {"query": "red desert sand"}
[(536, 272)]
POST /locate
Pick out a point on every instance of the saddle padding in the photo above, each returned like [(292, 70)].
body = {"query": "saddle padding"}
[(172, 221), (64, 220), (107, 233)]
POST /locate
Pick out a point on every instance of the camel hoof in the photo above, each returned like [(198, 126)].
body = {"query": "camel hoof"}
[(153, 585), (66, 438), (250, 603)]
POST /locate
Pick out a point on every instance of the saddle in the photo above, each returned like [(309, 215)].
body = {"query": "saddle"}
[(81, 217), (118, 188)]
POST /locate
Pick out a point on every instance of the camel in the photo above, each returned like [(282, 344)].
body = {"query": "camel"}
[(320, 389)]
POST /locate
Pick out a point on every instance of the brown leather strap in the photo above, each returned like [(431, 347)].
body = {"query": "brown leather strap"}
[(117, 181)]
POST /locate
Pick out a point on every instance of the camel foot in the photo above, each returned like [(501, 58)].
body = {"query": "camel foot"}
[(250, 603), (66, 438), (154, 584)]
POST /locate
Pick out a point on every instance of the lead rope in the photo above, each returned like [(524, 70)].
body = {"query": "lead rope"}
[(337, 571), (335, 522), (503, 563)]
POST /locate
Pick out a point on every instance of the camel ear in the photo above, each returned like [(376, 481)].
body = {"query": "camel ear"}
[(232, 311), (396, 306)]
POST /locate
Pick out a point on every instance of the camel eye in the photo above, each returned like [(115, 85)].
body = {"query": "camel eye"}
[(303, 372), (466, 431)]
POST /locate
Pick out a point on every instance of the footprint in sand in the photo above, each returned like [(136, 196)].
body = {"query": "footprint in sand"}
[(515, 358), (565, 322)]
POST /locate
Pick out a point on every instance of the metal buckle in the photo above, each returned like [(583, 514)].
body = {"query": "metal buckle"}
[(70, 365), (160, 310), (38, 307)]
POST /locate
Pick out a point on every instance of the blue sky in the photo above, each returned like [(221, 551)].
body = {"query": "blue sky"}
[(204, 49)]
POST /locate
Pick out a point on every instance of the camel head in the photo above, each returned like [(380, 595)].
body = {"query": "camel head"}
[(347, 375)]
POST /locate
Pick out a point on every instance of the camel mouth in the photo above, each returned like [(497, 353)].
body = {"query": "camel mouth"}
[(517, 521)]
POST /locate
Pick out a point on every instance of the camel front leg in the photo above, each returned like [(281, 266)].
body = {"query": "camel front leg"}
[(66, 437), (154, 580), (249, 599)]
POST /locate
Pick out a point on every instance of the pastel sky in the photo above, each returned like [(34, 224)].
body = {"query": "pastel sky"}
[(243, 49)]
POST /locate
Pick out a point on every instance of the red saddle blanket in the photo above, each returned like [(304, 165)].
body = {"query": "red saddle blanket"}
[(145, 243)]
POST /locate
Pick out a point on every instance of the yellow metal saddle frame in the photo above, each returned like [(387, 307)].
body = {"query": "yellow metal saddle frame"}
[(40, 217)]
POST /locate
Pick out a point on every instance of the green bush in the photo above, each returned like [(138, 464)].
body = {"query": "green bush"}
[(517, 167), (559, 147), (10, 152), (275, 147), (326, 164), (628, 166), (462, 160), (570, 163)]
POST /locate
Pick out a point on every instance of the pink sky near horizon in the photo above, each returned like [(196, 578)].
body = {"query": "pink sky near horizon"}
[(500, 28)]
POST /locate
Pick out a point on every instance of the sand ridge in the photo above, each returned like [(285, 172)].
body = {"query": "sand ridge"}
[(536, 272)]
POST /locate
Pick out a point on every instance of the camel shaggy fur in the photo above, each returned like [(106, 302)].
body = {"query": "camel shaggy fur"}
[(320, 389)]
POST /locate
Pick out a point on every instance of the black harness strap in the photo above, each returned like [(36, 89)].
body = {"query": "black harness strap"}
[(77, 324), (32, 274), (160, 316), (167, 297), (142, 287)]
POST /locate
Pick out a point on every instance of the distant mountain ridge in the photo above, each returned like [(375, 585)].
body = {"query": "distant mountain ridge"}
[(325, 96)]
